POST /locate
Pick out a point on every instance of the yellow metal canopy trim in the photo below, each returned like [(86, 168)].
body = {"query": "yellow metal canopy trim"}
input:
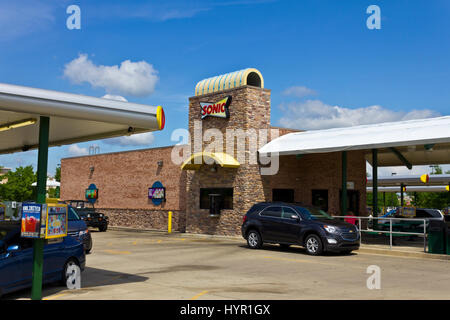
[(249, 76), (195, 161)]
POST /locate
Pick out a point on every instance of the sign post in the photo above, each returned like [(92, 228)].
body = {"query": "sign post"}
[(38, 244)]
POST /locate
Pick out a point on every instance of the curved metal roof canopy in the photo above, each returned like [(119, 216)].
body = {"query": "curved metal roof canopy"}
[(424, 141), (73, 118), (249, 76)]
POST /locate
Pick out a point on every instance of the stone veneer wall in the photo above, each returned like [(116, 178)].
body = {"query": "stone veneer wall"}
[(250, 109)]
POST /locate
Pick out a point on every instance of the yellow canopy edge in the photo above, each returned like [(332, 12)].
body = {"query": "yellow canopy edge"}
[(195, 161)]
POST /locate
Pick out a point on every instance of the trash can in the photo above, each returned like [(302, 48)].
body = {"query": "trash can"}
[(436, 236), (215, 204)]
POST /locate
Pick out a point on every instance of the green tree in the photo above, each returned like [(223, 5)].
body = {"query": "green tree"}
[(391, 199), (18, 187), (58, 173)]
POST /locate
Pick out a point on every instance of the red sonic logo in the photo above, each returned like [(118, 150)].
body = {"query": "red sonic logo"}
[(218, 109)]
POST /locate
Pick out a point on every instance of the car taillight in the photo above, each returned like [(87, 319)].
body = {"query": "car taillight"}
[(244, 219)]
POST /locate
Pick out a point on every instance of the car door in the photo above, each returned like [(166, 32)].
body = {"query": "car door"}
[(9, 270), (270, 221), (291, 227)]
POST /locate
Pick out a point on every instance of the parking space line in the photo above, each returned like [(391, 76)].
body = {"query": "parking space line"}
[(199, 295), (159, 241), (117, 252), (55, 296)]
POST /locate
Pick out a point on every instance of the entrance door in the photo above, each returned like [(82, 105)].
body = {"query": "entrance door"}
[(352, 202)]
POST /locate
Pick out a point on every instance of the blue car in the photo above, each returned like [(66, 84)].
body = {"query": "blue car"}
[(16, 258), (78, 229)]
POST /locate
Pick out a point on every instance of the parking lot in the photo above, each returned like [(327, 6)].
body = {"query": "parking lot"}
[(154, 265)]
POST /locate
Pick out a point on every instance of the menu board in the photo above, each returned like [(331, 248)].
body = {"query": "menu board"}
[(56, 221), (31, 220)]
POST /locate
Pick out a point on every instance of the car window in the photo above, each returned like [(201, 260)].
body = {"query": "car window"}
[(273, 211), (72, 215), (311, 213), (420, 213), (288, 212)]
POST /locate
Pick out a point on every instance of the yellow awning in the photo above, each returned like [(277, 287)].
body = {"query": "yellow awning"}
[(195, 161)]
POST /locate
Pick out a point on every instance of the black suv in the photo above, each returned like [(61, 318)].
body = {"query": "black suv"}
[(287, 223), (91, 217)]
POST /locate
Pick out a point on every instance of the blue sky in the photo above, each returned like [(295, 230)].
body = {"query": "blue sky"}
[(324, 66)]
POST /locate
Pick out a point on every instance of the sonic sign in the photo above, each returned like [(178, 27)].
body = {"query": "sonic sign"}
[(218, 109)]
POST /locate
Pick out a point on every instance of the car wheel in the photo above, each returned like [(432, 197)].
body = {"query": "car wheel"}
[(102, 228), (313, 245), (346, 251), (254, 240), (70, 262), (284, 245)]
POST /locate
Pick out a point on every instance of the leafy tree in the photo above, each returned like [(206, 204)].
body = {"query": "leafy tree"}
[(391, 199), (58, 173), (18, 187)]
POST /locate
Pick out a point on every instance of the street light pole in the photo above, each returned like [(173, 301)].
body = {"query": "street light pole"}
[(38, 244)]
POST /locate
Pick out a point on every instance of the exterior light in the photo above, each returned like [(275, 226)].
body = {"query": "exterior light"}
[(160, 163), (17, 124), (91, 168)]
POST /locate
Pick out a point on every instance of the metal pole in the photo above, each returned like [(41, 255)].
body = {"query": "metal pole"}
[(384, 202), (424, 236), (390, 233), (38, 244), (359, 220), (375, 186), (344, 184), (402, 197)]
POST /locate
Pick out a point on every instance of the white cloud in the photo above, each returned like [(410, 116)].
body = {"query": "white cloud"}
[(315, 114), (140, 139), (130, 78), (299, 91), (114, 97), (75, 150)]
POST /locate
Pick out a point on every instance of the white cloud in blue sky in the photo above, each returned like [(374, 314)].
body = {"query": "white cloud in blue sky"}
[(134, 140), (130, 78), (315, 114)]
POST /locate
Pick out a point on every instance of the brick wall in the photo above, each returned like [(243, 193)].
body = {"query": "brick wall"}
[(123, 180)]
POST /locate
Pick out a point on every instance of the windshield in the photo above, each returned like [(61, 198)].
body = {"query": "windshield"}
[(73, 216), (311, 213)]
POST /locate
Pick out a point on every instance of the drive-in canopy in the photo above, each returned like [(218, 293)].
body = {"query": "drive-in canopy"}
[(413, 142), (73, 118), (36, 118)]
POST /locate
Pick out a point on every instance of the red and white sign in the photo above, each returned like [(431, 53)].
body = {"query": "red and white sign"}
[(218, 109)]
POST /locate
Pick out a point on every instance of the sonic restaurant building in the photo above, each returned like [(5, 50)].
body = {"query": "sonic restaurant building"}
[(138, 188)]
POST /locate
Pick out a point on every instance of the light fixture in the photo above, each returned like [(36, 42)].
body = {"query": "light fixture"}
[(17, 124), (160, 163), (91, 168)]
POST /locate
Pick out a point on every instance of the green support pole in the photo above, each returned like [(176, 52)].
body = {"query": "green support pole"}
[(384, 202), (402, 195), (38, 244), (375, 186), (344, 184)]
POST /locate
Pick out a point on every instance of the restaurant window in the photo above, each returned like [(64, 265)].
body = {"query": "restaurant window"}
[(283, 195), (226, 197), (320, 199)]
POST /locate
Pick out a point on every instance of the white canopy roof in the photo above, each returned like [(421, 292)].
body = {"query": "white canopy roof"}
[(411, 180), (408, 137), (410, 189), (73, 118)]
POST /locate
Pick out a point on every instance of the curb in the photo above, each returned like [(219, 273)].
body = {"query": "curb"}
[(396, 253)]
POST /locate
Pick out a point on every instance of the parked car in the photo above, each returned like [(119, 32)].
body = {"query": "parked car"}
[(292, 224), (16, 258), (78, 229), (410, 225), (89, 214)]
